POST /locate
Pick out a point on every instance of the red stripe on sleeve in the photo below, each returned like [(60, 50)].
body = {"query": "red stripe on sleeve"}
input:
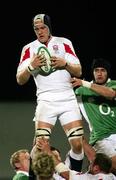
[(69, 50), (26, 54)]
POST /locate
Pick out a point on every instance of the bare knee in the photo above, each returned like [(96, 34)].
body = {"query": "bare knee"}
[(75, 138), (76, 145)]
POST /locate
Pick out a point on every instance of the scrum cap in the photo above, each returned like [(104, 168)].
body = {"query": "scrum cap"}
[(45, 19), (100, 62)]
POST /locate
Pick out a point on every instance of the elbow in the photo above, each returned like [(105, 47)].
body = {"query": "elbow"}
[(22, 77), (79, 71), (19, 81)]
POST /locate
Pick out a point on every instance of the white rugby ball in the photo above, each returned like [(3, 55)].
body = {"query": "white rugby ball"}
[(46, 69)]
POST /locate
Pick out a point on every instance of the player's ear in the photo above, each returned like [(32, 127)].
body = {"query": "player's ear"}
[(17, 165)]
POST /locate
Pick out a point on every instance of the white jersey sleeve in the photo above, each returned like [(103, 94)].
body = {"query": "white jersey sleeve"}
[(70, 55)]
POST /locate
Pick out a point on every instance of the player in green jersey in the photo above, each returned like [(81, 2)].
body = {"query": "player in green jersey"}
[(98, 106)]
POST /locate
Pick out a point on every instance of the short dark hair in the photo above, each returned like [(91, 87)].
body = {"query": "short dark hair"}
[(103, 161)]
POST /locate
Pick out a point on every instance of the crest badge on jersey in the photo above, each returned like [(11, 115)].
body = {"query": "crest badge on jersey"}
[(55, 49)]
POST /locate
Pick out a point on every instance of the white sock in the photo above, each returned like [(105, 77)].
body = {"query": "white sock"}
[(76, 156)]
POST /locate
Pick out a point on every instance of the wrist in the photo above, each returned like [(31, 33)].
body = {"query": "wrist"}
[(30, 68), (61, 167), (33, 71), (66, 64), (86, 84)]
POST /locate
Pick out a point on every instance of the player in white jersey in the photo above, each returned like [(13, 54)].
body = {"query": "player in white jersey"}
[(55, 96), (98, 106), (42, 164), (99, 168)]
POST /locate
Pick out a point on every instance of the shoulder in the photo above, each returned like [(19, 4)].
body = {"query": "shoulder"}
[(81, 176), (112, 84), (80, 90), (63, 40), (23, 176), (105, 176), (20, 176), (113, 81), (31, 44)]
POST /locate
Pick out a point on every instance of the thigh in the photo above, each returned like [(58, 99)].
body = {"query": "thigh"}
[(70, 113), (45, 113), (41, 124)]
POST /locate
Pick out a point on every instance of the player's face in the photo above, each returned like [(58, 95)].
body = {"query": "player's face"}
[(42, 31), (93, 169), (100, 75), (24, 159)]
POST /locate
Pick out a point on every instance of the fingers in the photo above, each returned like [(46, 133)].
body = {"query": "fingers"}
[(57, 62), (38, 61), (43, 144), (42, 141), (73, 80)]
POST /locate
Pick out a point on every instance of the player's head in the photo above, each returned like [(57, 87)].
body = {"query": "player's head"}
[(55, 150), (20, 160), (44, 18), (42, 27), (102, 163), (43, 165), (100, 70)]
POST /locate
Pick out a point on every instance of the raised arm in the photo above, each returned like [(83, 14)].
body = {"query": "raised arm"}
[(100, 89)]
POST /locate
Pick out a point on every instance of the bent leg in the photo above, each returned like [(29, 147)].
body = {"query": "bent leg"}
[(43, 129), (74, 132)]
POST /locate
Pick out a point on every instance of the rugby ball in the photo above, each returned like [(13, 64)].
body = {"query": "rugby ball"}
[(46, 69)]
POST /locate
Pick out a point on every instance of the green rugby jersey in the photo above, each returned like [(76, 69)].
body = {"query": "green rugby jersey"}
[(98, 111)]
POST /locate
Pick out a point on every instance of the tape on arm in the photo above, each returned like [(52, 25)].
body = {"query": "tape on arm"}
[(61, 167), (86, 84)]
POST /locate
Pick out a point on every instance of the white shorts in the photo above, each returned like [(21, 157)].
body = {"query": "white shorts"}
[(49, 112), (107, 146)]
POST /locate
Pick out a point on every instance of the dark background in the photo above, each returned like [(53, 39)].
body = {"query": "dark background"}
[(89, 24)]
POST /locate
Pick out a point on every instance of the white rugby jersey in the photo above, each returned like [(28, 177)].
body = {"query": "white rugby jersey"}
[(87, 176), (55, 86)]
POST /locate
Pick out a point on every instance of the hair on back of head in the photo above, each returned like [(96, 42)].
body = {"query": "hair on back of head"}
[(104, 162)]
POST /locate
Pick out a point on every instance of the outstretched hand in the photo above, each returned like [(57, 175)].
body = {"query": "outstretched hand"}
[(43, 144), (76, 82)]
